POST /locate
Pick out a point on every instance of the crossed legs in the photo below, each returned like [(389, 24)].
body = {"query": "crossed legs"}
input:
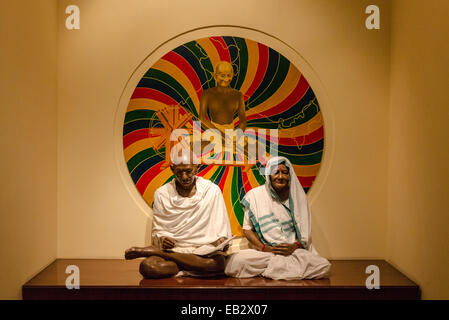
[(161, 264)]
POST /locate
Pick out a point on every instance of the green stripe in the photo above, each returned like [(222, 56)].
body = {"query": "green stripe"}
[(204, 61), (268, 222), (266, 230), (140, 114), (235, 197), (174, 84), (243, 56), (276, 82), (142, 156), (216, 173), (303, 159), (266, 216), (306, 114), (254, 221), (257, 175)]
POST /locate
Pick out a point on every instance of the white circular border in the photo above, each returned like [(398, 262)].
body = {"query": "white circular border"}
[(289, 52)]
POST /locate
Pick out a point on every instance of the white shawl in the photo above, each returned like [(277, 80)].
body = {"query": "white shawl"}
[(262, 202), (194, 221)]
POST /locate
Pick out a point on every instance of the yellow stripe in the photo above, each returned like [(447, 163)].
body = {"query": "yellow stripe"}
[(172, 70), (235, 226), (139, 146), (143, 103), (211, 51), (253, 61), (287, 87), (303, 129), (252, 179), (211, 172), (148, 195), (306, 171)]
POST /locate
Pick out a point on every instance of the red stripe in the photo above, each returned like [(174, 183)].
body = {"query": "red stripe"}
[(134, 136), (306, 181), (183, 65), (309, 138), (206, 170), (246, 183), (149, 93), (303, 140), (222, 48), (261, 68), (314, 136), (149, 175), (223, 178), (293, 98)]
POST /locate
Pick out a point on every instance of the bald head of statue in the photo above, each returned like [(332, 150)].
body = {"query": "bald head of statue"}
[(184, 168), (223, 74)]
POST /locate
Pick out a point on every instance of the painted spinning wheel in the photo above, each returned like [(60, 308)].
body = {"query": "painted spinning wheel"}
[(276, 94)]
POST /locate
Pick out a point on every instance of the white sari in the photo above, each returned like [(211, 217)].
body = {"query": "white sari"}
[(276, 222)]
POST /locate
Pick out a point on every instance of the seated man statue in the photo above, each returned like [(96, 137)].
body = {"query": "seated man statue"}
[(188, 212), (277, 222)]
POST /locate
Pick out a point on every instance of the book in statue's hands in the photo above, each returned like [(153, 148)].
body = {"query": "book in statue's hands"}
[(208, 249)]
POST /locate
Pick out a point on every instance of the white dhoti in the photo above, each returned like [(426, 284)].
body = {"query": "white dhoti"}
[(302, 264)]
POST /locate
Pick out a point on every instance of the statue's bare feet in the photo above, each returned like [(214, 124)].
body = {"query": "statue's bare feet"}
[(139, 252)]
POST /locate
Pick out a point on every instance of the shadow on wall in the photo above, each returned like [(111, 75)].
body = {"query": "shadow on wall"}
[(148, 230)]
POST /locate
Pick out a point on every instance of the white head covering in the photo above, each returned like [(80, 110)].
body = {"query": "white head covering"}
[(297, 199)]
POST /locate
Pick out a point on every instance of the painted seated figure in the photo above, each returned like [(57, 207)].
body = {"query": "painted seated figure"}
[(188, 212), (222, 102), (277, 223)]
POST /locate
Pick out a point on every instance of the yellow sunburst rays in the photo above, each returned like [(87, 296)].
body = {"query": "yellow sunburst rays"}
[(171, 120)]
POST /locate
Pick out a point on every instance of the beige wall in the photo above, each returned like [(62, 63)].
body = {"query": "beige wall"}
[(380, 193), (418, 203), (28, 36), (97, 215)]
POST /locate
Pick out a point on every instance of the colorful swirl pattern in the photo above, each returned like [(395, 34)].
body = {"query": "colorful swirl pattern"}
[(276, 94)]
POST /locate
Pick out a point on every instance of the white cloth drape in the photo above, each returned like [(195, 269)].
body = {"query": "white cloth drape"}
[(194, 221), (275, 223)]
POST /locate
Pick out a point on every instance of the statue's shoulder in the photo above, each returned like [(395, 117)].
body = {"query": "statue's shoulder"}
[(255, 192), (164, 190), (208, 91), (208, 94), (235, 92), (207, 184)]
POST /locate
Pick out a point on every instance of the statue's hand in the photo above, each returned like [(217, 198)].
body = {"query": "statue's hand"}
[(167, 243), (133, 253), (217, 242), (285, 249)]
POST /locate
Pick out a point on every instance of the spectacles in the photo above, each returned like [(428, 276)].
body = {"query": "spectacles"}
[(188, 172)]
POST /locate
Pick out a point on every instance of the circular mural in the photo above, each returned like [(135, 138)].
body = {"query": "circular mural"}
[(276, 96)]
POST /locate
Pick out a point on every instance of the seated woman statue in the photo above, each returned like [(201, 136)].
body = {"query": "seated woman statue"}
[(277, 223)]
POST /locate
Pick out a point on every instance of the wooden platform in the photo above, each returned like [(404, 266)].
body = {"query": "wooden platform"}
[(120, 279)]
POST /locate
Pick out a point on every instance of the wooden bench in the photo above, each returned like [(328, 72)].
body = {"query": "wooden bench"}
[(120, 279)]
